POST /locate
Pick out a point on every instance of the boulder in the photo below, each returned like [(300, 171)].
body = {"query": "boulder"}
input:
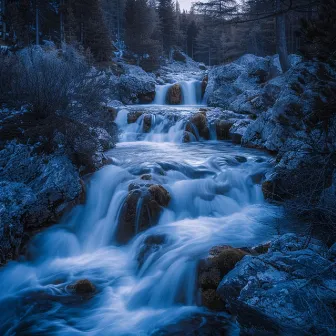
[(220, 261), (140, 210), (238, 130), (179, 56), (200, 122), (174, 95), (151, 244), (83, 287), (276, 292), (147, 123), (133, 116), (136, 86), (223, 129)]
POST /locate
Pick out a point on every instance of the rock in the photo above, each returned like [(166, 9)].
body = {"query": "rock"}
[(179, 56), (276, 292), (186, 136), (136, 86), (141, 210), (202, 66), (223, 129), (211, 270), (204, 84), (133, 116), (174, 95), (199, 120), (147, 123), (35, 191), (238, 130), (150, 245), (83, 287), (146, 177)]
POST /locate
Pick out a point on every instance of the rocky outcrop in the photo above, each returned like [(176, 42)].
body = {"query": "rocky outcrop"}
[(136, 86), (174, 95), (240, 86), (300, 127), (141, 209), (221, 260), (289, 290), (35, 191)]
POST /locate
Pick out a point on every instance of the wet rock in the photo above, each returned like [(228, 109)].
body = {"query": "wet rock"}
[(204, 84), (211, 270), (199, 324), (276, 292), (150, 245), (238, 129), (186, 136), (174, 95), (133, 116), (147, 123), (113, 111), (83, 287), (141, 210), (223, 129), (199, 120), (146, 177)]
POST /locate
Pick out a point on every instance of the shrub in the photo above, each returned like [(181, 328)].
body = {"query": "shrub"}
[(50, 81)]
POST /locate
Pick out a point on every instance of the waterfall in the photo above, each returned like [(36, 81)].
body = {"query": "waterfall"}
[(161, 94), (147, 283), (191, 93)]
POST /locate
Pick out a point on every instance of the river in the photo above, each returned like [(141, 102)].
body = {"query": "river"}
[(142, 288)]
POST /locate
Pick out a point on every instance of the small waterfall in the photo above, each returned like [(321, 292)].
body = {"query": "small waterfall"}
[(161, 94), (191, 93)]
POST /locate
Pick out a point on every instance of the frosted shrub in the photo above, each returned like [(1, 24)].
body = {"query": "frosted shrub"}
[(50, 81)]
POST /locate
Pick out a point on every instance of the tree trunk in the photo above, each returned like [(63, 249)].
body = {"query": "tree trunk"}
[(281, 43), (37, 26), (4, 30)]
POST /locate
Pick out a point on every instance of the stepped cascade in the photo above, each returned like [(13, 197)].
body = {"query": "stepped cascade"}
[(171, 193)]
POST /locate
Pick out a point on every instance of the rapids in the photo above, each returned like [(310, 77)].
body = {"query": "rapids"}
[(214, 200)]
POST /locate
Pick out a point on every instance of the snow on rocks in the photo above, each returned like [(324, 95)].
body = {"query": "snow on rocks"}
[(35, 190), (136, 85), (290, 290)]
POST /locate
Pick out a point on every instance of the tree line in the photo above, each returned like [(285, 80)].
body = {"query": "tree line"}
[(213, 31)]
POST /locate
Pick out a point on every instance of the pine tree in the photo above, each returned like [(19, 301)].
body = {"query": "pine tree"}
[(168, 24), (319, 34)]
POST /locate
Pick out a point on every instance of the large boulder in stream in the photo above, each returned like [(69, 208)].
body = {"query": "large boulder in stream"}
[(141, 209), (174, 95), (290, 290)]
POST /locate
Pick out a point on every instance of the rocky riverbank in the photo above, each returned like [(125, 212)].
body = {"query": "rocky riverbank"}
[(287, 288)]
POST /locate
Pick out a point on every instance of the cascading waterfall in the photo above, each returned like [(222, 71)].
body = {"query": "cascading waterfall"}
[(149, 283)]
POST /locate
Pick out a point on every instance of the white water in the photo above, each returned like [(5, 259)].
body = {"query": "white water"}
[(191, 93), (213, 201)]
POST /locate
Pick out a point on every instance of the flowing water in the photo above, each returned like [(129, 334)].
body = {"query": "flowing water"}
[(215, 200)]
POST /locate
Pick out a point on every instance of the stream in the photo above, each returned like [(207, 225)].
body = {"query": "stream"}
[(146, 285)]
